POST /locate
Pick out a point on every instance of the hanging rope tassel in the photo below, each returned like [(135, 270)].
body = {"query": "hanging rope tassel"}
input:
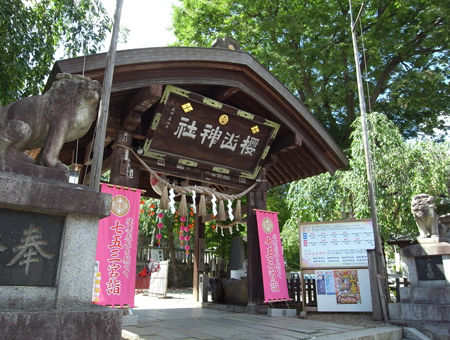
[(164, 201), (182, 209), (221, 215), (237, 211), (202, 206)]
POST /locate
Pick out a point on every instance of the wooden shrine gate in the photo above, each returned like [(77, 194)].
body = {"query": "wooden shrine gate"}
[(210, 118)]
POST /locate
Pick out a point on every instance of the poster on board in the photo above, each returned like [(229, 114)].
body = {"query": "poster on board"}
[(343, 290), (335, 244)]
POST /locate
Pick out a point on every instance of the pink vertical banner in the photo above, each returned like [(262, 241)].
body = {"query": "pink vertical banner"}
[(272, 263), (117, 248)]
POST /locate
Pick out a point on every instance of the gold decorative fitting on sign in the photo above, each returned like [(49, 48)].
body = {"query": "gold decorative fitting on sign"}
[(254, 129), (223, 119), (187, 107)]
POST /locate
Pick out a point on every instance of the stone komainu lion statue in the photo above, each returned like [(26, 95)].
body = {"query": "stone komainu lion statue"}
[(62, 114), (427, 220)]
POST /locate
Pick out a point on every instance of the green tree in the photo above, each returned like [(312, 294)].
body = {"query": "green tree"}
[(401, 170), (307, 45), (276, 201), (31, 33)]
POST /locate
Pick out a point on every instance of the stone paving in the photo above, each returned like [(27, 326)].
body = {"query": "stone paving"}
[(179, 317)]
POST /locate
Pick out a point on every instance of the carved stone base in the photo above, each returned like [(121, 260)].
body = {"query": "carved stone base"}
[(432, 240), (47, 293), (429, 247), (427, 309), (425, 304), (87, 323), (25, 168)]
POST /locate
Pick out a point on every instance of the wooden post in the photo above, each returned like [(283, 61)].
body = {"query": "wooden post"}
[(379, 256), (199, 256), (122, 172), (102, 120), (256, 199), (376, 303)]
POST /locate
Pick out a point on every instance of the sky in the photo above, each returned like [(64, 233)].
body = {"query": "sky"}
[(148, 22)]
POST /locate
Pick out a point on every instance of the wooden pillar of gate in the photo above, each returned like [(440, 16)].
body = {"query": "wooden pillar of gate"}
[(256, 199), (123, 172), (199, 256)]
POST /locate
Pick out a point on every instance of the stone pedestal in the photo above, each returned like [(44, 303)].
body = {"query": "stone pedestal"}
[(425, 304), (48, 238)]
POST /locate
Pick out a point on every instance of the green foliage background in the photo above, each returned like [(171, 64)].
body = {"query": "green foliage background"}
[(307, 45), (402, 169), (32, 31)]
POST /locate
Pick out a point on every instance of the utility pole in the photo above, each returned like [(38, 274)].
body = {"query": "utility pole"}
[(380, 264), (102, 119)]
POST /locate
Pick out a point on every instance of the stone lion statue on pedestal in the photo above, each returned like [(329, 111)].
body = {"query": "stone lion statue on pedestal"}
[(60, 115), (427, 220)]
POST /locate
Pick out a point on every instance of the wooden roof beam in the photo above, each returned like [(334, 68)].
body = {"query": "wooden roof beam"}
[(309, 163), (141, 102), (284, 174), (294, 163), (225, 94), (331, 168), (286, 143), (290, 165), (274, 176)]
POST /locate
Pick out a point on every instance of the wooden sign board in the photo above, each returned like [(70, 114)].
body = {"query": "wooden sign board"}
[(202, 133)]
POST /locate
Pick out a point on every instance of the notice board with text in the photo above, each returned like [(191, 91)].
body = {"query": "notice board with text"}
[(336, 253)]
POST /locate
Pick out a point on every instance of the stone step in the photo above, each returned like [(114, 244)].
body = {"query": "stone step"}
[(427, 295), (420, 312), (434, 330), (377, 333), (414, 334)]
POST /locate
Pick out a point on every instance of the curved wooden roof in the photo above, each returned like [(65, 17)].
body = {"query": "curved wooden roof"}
[(302, 147)]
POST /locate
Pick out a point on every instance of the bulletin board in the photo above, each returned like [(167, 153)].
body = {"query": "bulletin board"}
[(343, 290), (336, 253), (335, 244)]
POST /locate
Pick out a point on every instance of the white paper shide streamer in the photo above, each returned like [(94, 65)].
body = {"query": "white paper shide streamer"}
[(172, 201), (214, 205), (230, 210), (194, 205)]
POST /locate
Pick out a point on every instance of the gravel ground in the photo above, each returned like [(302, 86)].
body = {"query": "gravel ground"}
[(354, 319)]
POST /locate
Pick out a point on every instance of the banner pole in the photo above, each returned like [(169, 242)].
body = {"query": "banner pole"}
[(102, 120)]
